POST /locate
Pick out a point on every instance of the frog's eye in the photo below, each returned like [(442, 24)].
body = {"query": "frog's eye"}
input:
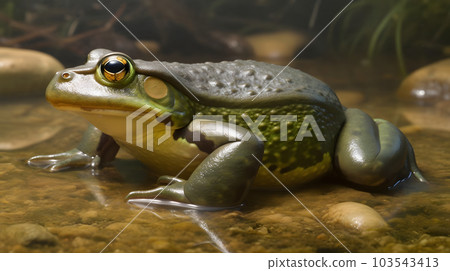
[(115, 68)]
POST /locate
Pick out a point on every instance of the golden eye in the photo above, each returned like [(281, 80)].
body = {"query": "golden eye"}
[(115, 68)]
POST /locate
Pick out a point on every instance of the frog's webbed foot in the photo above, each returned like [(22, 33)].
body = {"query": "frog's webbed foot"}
[(94, 148), (65, 160), (374, 153)]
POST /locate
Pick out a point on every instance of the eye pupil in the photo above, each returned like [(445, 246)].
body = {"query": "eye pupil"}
[(115, 68)]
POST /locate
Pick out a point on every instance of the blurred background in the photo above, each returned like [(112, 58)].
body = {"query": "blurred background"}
[(411, 31)]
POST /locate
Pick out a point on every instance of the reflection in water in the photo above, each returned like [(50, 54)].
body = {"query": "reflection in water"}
[(93, 185), (194, 214)]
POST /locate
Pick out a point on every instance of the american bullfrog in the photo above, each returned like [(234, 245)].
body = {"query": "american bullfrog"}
[(212, 130)]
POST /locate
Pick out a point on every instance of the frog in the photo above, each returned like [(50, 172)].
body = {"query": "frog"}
[(214, 131)]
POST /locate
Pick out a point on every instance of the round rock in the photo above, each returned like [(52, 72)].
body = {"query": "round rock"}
[(356, 216), (427, 85), (30, 235), (25, 72), (276, 45)]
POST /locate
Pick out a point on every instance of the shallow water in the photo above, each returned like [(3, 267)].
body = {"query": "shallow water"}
[(86, 210)]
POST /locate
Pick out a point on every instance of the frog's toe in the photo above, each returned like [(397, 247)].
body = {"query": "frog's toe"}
[(174, 192), (68, 164), (44, 161), (166, 179), (144, 194)]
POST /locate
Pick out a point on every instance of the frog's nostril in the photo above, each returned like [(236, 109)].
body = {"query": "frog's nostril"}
[(66, 75)]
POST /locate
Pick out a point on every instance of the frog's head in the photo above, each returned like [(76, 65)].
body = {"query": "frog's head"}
[(108, 89)]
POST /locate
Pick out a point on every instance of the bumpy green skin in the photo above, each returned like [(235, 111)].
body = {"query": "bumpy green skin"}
[(284, 157), (220, 171)]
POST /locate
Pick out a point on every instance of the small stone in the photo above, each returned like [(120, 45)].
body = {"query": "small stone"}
[(263, 230), (30, 235), (276, 219), (423, 242), (428, 85), (118, 226), (234, 229), (76, 230), (232, 214), (385, 240), (356, 216), (88, 216), (160, 245), (398, 248), (79, 242), (25, 72), (322, 236)]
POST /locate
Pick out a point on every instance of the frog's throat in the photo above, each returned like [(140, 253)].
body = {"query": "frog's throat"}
[(117, 123)]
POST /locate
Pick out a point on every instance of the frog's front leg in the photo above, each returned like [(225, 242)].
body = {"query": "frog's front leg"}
[(374, 153), (224, 177), (94, 148)]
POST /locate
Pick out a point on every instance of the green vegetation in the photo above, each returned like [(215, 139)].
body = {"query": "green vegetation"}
[(397, 26)]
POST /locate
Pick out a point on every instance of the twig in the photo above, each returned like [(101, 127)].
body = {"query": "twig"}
[(29, 36), (92, 32)]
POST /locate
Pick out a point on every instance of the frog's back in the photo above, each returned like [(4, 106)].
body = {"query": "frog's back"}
[(242, 83), (261, 89)]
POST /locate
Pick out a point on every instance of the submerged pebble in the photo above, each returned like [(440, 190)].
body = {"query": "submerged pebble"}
[(88, 217), (26, 124), (356, 216), (25, 72), (81, 230), (16, 137), (30, 235), (427, 85)]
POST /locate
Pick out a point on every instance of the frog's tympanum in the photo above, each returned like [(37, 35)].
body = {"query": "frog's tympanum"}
[(214, 130)]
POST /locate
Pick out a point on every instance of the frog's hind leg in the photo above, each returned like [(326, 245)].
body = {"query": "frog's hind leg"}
[(224, 177), (373, 153)]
